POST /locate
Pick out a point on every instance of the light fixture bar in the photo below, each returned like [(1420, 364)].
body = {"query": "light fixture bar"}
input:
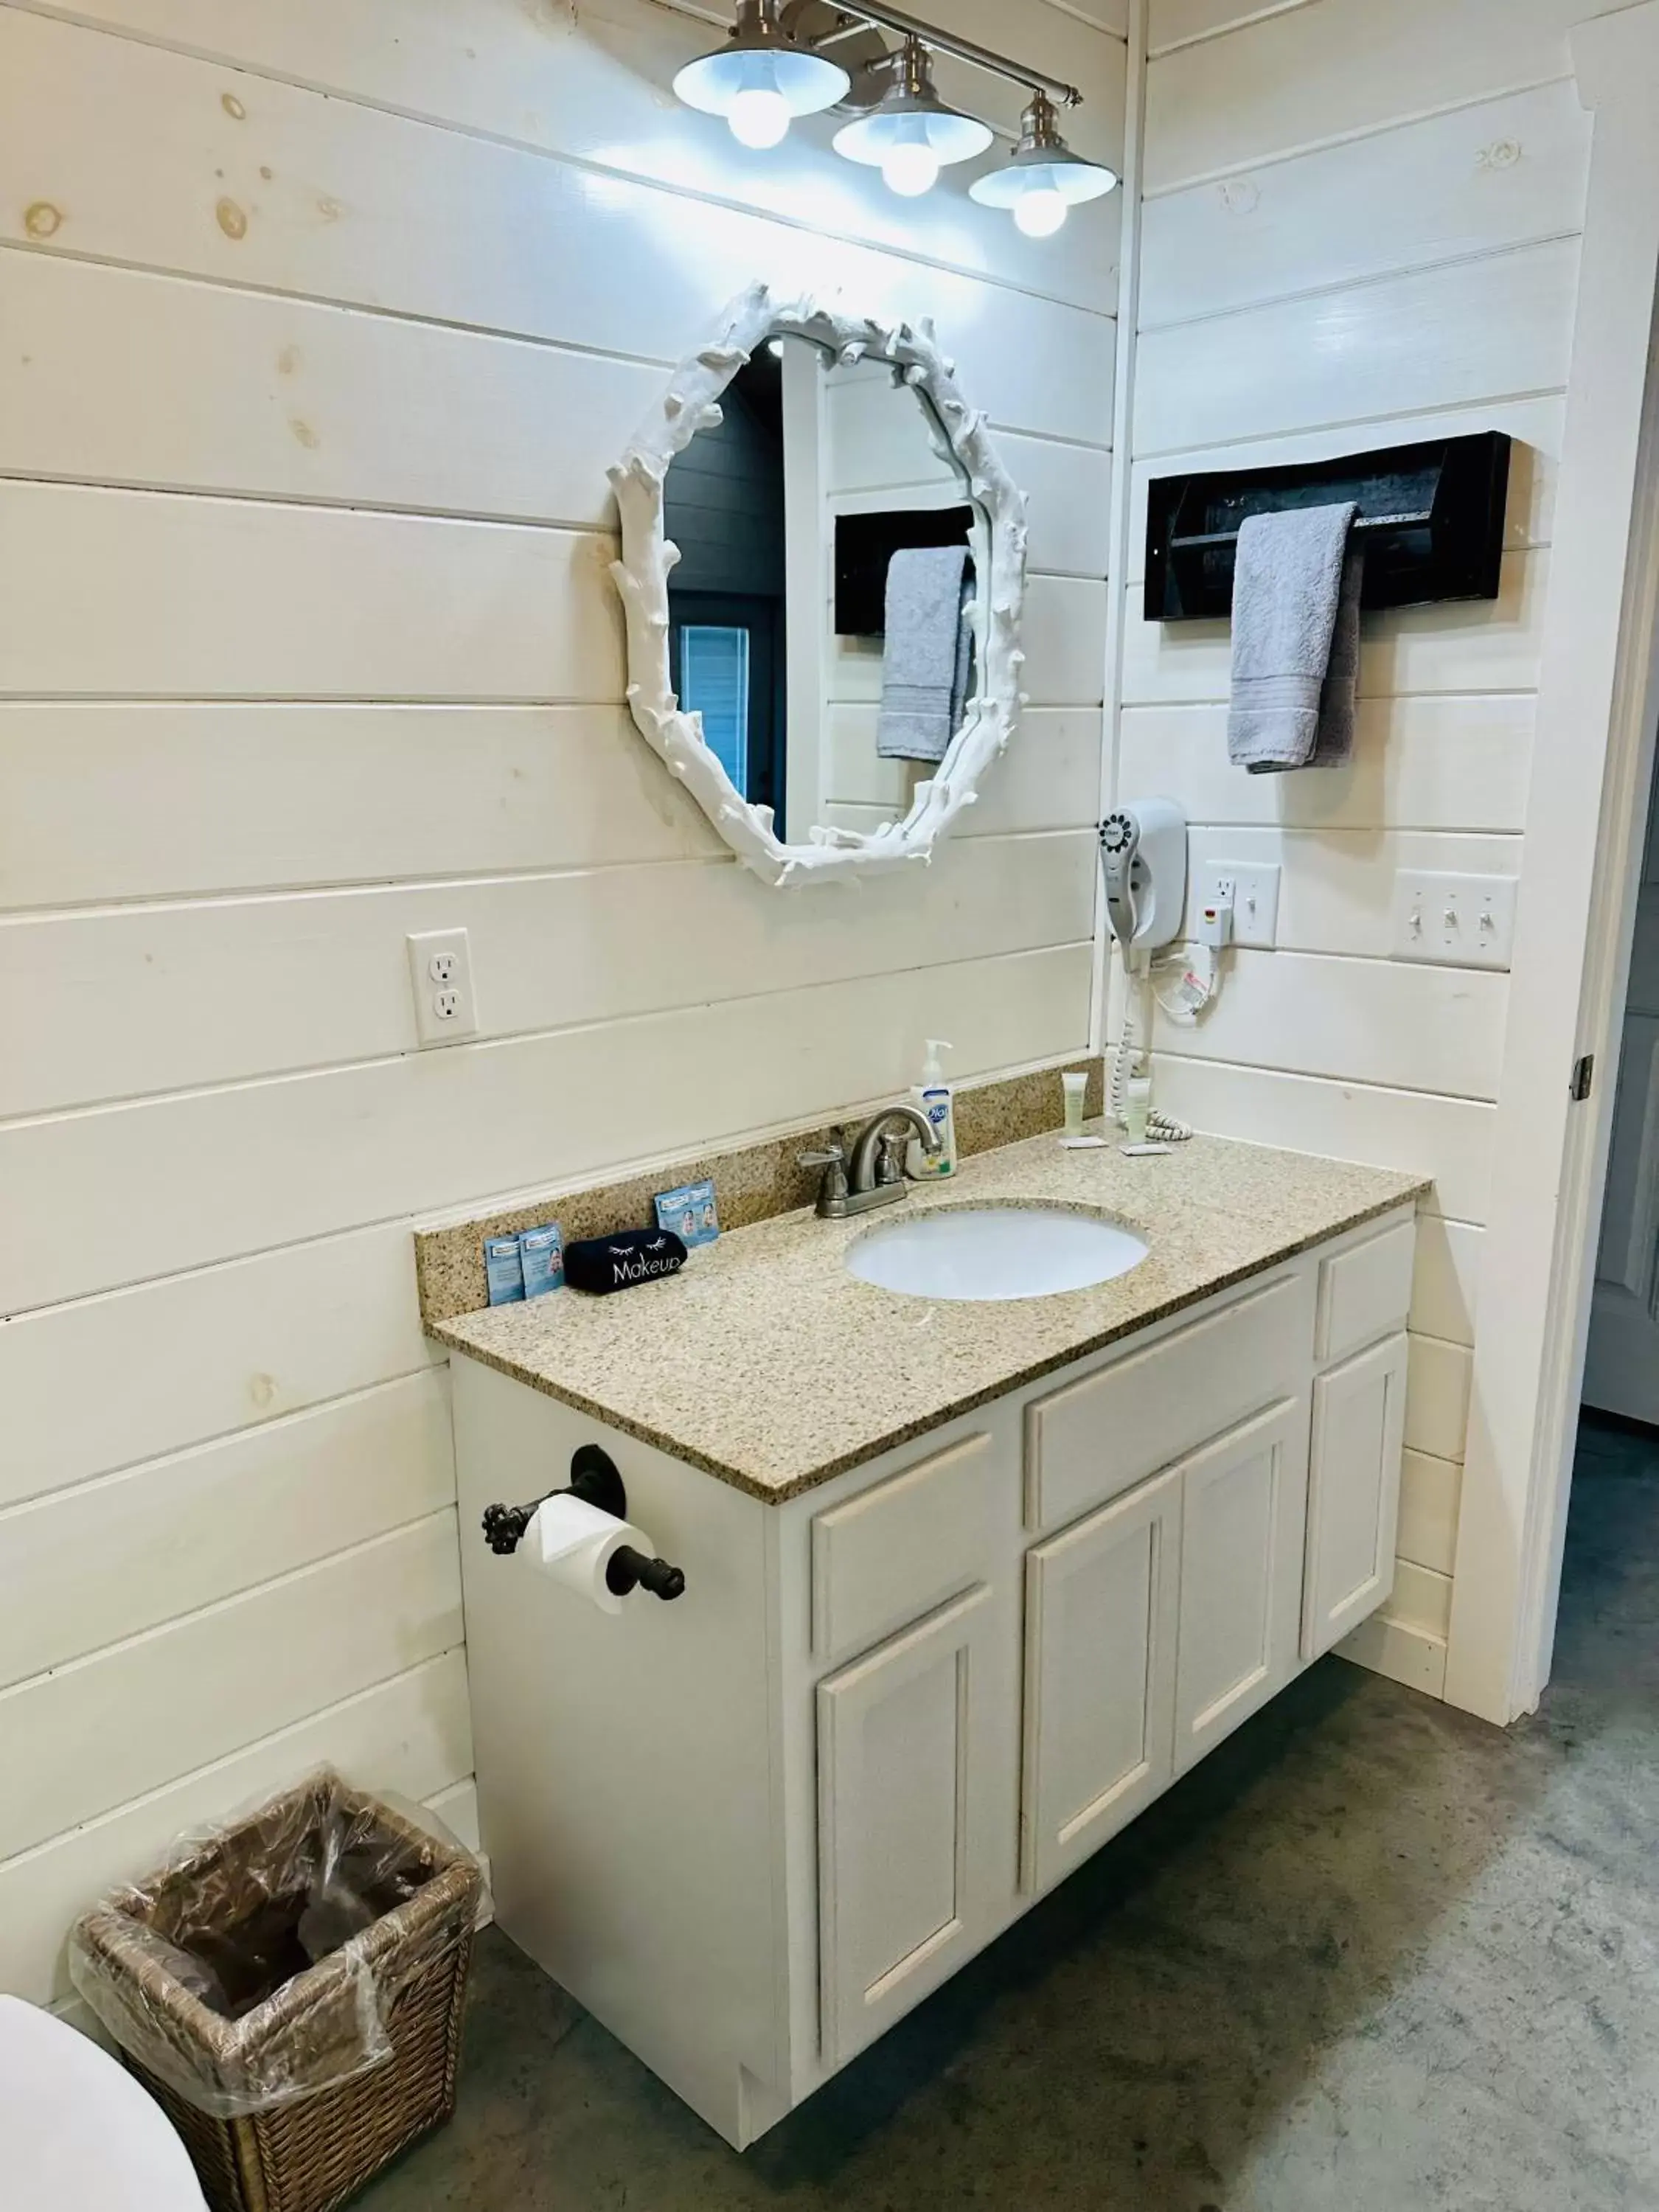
[(948, 42)]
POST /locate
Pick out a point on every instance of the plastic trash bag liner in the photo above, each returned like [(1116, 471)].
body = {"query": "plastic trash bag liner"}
[(262, 1963)]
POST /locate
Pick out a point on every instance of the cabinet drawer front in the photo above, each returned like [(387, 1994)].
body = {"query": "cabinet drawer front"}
[(1353, 1493), (896, 1552), (1101, 1603), (1365, 1292), (1087, 1443), (899, 1836)]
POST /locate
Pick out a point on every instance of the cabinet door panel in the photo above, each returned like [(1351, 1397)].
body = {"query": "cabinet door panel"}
[(1243, 1514), (902, 1775), (1100, 1649), (1353, 1493)]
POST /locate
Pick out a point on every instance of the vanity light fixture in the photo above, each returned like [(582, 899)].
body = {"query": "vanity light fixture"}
[(777, 64), (1043, 180), (762, 78), (910, 134)]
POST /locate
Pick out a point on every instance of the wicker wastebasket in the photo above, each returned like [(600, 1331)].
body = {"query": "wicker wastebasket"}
[(291, 1989)]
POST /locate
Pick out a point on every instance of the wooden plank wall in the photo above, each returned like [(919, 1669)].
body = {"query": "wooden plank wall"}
[(322, 318), (1360, 226)]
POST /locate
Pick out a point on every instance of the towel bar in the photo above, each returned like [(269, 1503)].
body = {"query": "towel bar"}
[(1432, 515)]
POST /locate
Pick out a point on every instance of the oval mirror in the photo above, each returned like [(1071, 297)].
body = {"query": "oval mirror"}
[(822, 567)]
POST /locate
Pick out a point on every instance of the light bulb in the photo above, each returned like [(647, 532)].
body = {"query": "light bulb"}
[(758, 117), (910, 169), (1040, 212)]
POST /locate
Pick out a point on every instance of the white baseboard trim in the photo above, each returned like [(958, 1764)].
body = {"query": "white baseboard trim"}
[(1403, 1653)]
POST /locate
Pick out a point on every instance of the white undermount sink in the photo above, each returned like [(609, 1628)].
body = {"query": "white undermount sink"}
[(993, 1252)]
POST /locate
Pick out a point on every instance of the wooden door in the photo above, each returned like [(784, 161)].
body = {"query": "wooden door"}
[(905, 1746), (1353, 1492), (1101, 1601), (1243, 1519), (1621, 1366)]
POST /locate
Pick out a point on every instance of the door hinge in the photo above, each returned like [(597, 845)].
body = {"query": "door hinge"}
[(1583, 1077)]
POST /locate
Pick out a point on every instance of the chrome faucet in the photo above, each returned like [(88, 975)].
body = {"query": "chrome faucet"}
[(854, 1186)]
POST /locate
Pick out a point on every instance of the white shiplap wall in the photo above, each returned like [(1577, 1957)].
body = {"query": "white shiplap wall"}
[(322, 318), (1360, 226)]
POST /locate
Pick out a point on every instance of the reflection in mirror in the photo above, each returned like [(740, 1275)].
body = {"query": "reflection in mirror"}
[(817, 612)]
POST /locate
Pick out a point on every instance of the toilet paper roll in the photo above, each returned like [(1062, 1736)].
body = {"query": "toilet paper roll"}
[(572, 1543)]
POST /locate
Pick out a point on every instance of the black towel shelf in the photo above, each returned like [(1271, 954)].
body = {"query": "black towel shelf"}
[(1431, 516)]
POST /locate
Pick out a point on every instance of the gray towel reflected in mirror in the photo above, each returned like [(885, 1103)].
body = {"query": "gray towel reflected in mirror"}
[(928, 665)]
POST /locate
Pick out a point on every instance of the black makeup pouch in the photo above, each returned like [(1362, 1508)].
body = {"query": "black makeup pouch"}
[(603, 1264)]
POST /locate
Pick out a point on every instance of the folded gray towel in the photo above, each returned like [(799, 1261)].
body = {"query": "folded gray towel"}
[(925, 667), (1295, 639)]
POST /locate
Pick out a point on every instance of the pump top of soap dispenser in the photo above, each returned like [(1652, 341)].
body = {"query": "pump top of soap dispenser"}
[(932, 1072)]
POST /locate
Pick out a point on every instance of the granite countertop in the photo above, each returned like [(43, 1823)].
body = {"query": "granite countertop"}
[(767, 1363)]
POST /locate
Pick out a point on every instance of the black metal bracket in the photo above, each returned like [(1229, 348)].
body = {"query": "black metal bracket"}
[(1431, 520), (595, 1480)]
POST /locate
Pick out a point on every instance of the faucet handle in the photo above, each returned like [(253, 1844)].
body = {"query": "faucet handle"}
[(894, 1144), (832, 1192)]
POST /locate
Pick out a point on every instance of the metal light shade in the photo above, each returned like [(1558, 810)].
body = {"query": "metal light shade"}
[(759, 56), (911, 113), (1075, 180), (1043, 164)]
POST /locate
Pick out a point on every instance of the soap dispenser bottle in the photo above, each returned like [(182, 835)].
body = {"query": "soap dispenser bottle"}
[(932, 1099)]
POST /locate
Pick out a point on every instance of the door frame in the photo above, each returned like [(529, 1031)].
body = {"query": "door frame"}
[(1598, 699)]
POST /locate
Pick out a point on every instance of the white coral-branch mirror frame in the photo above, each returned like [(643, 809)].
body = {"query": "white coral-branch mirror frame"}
[(691, 404)]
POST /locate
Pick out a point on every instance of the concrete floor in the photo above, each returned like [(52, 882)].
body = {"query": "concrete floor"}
[(1372, 1957)]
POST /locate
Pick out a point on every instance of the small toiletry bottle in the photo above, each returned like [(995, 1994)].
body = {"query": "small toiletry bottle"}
[(932, 1099), (1074, 1083), (1137, 1108)]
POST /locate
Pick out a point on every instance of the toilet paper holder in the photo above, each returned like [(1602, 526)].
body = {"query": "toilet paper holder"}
[(595, 1480)]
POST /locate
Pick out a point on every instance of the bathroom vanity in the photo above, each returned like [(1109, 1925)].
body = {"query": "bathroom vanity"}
[(967, 1586)]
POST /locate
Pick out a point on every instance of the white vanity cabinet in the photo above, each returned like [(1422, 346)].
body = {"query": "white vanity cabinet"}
[(752, 1828)]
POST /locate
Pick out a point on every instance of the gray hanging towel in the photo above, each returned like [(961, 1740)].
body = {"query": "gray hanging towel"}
[(925, 667), (1297, 582)]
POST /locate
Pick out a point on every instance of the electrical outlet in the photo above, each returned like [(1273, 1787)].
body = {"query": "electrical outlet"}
[(1457, 921), (1253, 890), (440, 971)]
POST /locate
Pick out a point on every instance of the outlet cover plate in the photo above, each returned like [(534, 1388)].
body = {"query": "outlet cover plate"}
[(441, 974), (1455, 921), (1256, 898)]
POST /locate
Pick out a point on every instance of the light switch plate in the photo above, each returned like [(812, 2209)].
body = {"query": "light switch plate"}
[(1255, 887), (1456, 921), (440, 971)]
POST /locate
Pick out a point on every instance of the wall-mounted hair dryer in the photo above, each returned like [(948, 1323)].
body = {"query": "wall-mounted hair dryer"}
[(1143, 858), (1143, 855)]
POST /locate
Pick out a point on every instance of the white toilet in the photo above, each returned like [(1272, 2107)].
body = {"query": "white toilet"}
[(78, 2133)]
